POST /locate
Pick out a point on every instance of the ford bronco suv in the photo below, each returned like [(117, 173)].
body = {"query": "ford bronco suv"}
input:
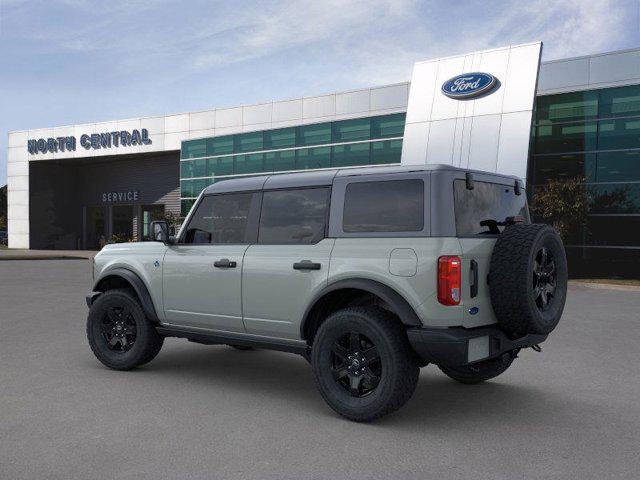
[(369, 273)]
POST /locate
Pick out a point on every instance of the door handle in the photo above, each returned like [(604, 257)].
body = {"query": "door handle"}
[(474, 279), (224, 263), (306, 265)]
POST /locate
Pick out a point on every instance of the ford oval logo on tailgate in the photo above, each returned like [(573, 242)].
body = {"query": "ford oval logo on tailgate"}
[(469, 85)]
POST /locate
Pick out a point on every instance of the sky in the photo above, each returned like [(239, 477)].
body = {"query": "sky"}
[(65, 62)]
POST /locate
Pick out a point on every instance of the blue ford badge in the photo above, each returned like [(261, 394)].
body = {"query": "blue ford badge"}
[(468, 85), (474, 310)]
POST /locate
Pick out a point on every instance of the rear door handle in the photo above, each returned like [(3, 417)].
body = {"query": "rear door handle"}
[(474, 279), (306, 265), (224, 263)]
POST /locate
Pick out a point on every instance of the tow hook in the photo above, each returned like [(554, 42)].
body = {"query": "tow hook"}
[(536, 348)]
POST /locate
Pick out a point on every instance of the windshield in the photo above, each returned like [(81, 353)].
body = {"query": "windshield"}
[(485, 209)]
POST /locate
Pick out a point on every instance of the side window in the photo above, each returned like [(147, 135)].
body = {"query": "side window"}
[(296, 216), (385, 206), (220, 219)]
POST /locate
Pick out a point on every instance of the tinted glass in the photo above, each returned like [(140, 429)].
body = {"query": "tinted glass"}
[(220, 145), (487, 201), (294, 216), (614, 134), (194, 148), (387, 126), (280, 161), (280, 138), (220, 219), (388, 151), (391, 206), (185, 206), (251, 163), (620, 102), (618, 166), (319, 157), (220, 166), (248, 142), (348, 155), (574, 137), (618, 198), (313, 134), (566, 107), (186, 188), (558, 167), (352, 130)]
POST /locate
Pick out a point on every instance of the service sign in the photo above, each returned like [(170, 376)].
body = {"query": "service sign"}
[(469, 85), (93, 141)]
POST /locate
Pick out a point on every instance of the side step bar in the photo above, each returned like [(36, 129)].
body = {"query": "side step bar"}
[(227, 338)]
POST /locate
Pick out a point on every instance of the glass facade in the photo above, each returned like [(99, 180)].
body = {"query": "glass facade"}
[(594, 135), (362, 141)]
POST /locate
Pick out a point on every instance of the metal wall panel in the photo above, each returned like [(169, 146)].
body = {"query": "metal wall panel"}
[(468, 132), (562, 74), (202, 120), (253, 114), (315, 107), (614, 67), (390, 97), (353, 102)]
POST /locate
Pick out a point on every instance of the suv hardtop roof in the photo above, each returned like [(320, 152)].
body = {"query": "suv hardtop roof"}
[(325, 177)]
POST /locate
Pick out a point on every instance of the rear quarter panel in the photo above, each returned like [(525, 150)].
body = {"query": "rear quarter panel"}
[(369, 258)]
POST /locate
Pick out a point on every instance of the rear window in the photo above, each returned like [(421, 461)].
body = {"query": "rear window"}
[(387, 206), (487, 202)]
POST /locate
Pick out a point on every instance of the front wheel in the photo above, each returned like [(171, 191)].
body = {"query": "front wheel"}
[(481, 371), (363, 364), (119, 333)]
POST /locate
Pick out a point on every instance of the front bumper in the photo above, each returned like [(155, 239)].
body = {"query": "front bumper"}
[(459, 346)]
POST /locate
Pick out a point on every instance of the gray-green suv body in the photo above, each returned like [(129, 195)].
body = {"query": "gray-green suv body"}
[(370, 273)]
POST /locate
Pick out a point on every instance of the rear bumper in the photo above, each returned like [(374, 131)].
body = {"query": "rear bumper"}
[(461, 346)]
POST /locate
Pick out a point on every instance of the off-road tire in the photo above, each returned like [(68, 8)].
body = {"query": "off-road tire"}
[(147, 342), (481, 371), (513, 279), (397, 362)]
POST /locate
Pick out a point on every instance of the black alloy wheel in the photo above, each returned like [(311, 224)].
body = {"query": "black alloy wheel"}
[(356, 364), (544, 279), (119, 333), (119, 328), (363, 363)]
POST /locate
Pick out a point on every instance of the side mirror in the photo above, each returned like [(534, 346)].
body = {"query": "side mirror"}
[(159, 231)]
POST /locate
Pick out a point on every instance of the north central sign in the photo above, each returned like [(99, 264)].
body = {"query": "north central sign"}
[(93, 141)]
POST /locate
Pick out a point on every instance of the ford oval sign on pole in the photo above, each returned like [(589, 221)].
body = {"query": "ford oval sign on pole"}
[(469, 85)]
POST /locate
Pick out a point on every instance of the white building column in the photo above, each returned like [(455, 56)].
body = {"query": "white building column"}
[(18, 190)]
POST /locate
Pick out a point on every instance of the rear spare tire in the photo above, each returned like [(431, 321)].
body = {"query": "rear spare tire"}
[(528, 279)]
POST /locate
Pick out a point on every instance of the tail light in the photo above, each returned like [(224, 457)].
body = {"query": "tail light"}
[(449, 280)]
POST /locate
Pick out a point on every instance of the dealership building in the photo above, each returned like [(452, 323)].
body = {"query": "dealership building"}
[(79, 186)]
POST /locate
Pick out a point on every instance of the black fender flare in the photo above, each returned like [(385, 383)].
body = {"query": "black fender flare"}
[(136, 283), (397, 302)]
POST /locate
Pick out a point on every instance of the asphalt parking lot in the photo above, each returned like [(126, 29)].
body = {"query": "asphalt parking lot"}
[(572, 411)]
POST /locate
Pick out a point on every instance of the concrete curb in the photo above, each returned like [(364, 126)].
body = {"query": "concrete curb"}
[(606, 286)]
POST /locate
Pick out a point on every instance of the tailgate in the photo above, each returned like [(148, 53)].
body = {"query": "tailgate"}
[(476, 258)]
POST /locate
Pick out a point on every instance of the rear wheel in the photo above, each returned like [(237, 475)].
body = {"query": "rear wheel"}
[(363, 363), (481, 371), (119, 333)]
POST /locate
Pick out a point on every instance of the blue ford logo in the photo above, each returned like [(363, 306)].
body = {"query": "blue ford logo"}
[(468, 85)]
